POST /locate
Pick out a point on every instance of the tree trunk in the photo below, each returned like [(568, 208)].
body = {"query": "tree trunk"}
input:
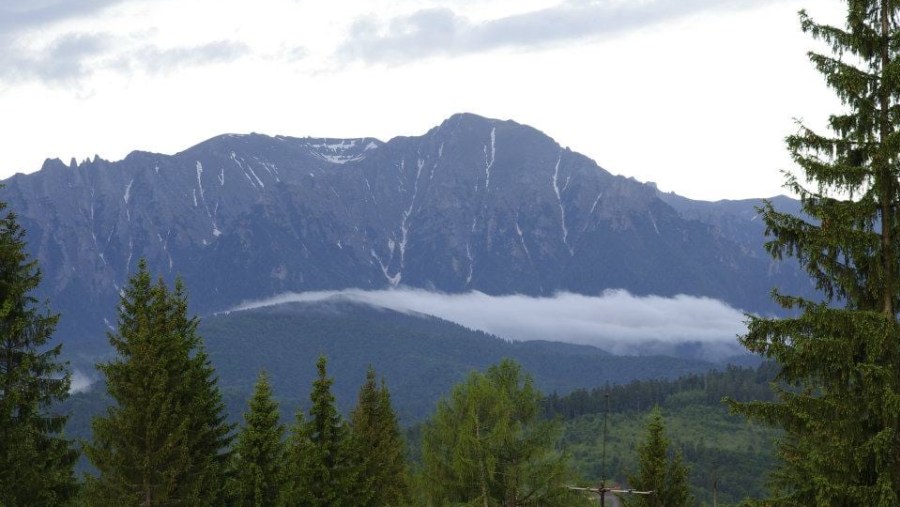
[(886, 174)]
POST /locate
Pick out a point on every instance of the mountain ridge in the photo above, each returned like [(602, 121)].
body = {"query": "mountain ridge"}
[(473, 204)]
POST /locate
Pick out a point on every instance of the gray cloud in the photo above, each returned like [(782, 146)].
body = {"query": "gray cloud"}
[(615, 321), (64, 61), (18, 15), (155, 60), (441, 31), (71, 58)]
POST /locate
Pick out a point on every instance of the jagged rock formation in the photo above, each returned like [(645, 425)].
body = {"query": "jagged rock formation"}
[(474, 204)]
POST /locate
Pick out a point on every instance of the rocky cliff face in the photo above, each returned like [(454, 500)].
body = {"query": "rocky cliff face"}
[(474, 204)]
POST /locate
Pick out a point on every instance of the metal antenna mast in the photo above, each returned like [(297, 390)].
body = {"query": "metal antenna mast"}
[(604, 489), (605, 418)]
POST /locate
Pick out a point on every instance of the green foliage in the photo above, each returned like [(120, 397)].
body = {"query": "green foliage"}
[(722, 451), (840, 357), (660, 470), (321, 471), (743, 384), (258, 455), (295, 490), (36, 460), (487, 445), (717, 447), (378, 448), (164, 439)]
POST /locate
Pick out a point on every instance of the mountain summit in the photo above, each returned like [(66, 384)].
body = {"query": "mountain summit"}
[(474, 204)]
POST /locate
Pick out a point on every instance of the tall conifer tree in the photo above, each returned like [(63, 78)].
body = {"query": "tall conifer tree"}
[(322, 473), (661, 470), (295, 488), (841, 357), (259, 452), (163, 441), (210, 433), (378, 447), (36, 461)]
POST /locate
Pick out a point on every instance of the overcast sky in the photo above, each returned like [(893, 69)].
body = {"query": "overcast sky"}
[(695, 95)]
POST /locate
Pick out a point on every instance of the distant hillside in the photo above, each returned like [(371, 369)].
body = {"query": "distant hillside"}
[(420, 357)]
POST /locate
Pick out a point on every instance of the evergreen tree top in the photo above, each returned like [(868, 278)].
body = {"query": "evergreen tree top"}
[(166, 436), (36, 461), (841, 356)]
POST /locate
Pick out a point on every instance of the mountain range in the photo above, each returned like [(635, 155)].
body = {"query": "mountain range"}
[(474, 204)]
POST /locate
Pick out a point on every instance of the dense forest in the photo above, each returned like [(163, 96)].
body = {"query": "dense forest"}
[(716, 446), (727, 458)]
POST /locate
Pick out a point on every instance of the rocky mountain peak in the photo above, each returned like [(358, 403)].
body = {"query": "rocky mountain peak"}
[(474, 204)]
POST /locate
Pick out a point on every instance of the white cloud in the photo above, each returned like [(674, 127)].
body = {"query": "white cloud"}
[(615, 321), (80, 382)]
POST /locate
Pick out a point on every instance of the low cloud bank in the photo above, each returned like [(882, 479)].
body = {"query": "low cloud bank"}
[(616, 321)]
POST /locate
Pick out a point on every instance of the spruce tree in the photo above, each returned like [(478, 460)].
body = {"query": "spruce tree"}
[(209, 430), (378, 447), (259, 452), (163, 441), (661, 470), (486, 445), (840, 357), (36, 461), (322, 471), (295, 489)]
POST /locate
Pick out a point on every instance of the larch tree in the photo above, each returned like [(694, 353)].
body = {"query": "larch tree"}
[(164, 439), (258, 458), (660, 470), (840, 357), (487, 446), (378, 447), (36, 461)]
